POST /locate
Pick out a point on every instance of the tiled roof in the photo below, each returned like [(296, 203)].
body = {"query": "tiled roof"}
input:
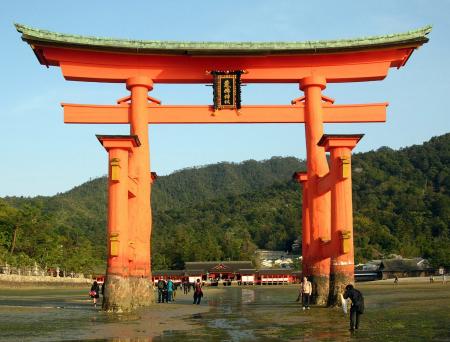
[(169, 273), (413, 38), (218, 266), (404, 265), (250, 271), (275, 271)]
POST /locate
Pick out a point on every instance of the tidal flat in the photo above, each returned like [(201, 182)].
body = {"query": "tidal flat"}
[(411, 311)]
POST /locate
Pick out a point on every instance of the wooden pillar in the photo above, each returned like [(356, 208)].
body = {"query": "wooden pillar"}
[(302, 177), (140, 208), (341, 248), (140, 217), (318, 204), (118, 292)]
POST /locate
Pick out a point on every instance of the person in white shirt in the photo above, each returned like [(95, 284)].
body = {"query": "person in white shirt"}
[(305, 293)]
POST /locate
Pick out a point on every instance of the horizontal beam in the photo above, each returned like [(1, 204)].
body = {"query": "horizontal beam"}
[(324, 184), (94, 66), (167, 114), (180, 75)]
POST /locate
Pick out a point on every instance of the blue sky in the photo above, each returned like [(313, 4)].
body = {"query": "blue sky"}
[(43, 156)]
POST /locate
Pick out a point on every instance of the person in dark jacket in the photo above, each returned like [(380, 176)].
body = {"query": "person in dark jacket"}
[(357, 307), (162, 287), (95, 292)]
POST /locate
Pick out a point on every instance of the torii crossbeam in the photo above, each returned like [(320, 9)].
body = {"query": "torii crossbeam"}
[(165, 114)]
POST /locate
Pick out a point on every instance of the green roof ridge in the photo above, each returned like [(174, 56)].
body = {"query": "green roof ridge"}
[(33, 34)]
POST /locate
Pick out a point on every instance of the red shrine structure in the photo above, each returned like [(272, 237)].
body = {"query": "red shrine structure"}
[(327, 232)]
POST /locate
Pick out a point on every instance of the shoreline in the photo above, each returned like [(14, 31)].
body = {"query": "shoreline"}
[(14, 281)]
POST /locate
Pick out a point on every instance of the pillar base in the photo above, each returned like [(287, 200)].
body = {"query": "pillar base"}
[(143, 292), (124, 294), (338, 282), (321, 285)]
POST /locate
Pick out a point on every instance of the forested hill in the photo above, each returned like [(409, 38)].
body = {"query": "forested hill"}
[(196, 184), (227, 210), (200, 184)]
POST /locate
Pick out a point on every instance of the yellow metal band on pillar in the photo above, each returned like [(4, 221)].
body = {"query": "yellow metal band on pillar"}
[(114, 244), (346, 167), (345, 241), (115, 169)]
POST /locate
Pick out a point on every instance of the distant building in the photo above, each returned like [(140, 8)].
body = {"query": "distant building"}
[(367, 275), (277, 259), (248, 277), (274, 276), (216, 272), (227, 273), (177, 276), (398, 266)]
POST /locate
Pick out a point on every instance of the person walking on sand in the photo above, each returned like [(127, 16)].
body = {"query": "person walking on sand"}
[(186, 287), (357, 307), (161, 285), (395, 281), (305, 293), (175, 288), (94, 293), (198, 293), (169, 290)]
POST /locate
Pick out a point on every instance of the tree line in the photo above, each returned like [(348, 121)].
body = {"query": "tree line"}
[(225, 211)]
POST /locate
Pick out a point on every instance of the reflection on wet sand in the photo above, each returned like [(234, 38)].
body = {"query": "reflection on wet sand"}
[(134, 339), (247, 296)]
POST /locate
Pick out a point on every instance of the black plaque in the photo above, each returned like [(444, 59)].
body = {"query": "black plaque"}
[(227, 89)]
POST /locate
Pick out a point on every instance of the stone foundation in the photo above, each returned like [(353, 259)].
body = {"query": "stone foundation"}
[(144, 292), (338, 282), (126, 294), (321, 285)]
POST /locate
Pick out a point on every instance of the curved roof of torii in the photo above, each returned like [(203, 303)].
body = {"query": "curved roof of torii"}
[(413, 39), (84, 58)]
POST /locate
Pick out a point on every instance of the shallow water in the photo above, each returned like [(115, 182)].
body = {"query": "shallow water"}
[(416, 312)]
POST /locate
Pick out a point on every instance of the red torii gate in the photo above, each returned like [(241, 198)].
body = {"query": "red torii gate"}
[(327, 239)]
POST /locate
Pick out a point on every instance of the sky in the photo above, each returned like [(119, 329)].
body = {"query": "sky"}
[(43, 156)]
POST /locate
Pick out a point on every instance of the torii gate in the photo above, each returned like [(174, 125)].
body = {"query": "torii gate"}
[(327, 238)]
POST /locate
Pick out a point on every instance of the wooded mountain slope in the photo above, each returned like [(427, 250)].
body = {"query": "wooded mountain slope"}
[(227, 210)]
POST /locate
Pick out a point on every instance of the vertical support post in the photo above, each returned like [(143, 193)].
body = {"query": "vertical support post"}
[(318, 204), (118, 212), (140, 218), (118, 292), (302, 177), (140, 209), (342, 249)]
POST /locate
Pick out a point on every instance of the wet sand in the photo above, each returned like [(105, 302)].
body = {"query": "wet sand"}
[(162, 319), (411, 311)]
